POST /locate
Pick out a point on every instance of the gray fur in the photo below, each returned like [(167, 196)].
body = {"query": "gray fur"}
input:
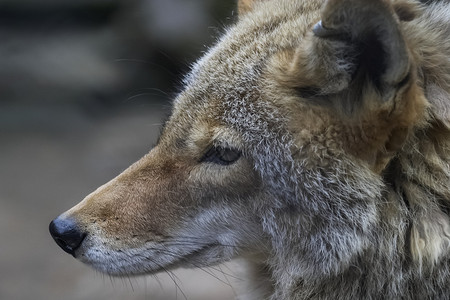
[(313, 219)]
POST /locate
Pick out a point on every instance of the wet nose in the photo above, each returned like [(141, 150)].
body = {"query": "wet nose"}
[(66, 234)]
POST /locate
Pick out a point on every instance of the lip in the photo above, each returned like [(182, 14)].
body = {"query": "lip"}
[(189, 260), (200, 251), (106, 262)]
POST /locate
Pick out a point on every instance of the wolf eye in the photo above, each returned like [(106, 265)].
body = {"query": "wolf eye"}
[(221, 156)]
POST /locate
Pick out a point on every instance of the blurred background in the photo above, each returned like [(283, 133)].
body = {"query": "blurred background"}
[(84, 88)]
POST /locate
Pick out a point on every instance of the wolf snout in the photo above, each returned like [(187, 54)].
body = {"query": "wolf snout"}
[(66, 234)]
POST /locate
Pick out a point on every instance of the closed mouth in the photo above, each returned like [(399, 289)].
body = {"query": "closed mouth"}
[(125, 263)]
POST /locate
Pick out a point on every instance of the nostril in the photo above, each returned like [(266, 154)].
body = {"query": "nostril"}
[(61, 243), (66, 234)]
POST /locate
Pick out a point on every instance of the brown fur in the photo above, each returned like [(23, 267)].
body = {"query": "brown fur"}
[(341, 190)]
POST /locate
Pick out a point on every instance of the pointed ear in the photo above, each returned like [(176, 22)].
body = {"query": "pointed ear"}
[(356, 65), (356, 46), (370, 30)]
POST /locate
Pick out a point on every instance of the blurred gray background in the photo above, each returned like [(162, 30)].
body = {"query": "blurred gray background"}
[(84, 88)]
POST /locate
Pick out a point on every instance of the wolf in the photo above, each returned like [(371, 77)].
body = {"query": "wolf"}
[(312, 141)]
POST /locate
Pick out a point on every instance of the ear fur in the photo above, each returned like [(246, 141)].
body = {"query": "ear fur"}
[(369, 33), (406, 11), (356, 61), (356, 49)]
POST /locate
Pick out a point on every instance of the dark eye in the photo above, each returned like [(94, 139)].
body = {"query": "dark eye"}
[(221, 155)]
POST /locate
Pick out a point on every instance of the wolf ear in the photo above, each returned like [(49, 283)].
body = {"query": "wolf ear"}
[(357, 45), (355, 64)]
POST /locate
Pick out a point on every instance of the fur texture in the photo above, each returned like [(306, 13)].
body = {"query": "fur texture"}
[(340, 112)]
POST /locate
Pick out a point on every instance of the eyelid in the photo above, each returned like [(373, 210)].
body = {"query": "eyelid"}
[(218, 155)]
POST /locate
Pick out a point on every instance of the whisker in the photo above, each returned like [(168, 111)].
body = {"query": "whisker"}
[(191, 243), (213, 275), (175, 255), (172, 276), (229, 283), (227, 274), (139, 95), (194, 243), (155, 90), (131, 284), (158, 281), (111, 280)]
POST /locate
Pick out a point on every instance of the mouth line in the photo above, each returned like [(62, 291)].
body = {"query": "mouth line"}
[(189, 260), (200, 250)]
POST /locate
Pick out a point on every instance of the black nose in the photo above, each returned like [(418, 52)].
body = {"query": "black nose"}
[(66, 234)]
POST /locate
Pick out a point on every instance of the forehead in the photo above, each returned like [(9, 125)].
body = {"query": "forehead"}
[(225, 84), (236, 61), (196, 121)]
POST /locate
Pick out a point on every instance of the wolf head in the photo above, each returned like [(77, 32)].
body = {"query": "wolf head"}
[(276, 148)]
